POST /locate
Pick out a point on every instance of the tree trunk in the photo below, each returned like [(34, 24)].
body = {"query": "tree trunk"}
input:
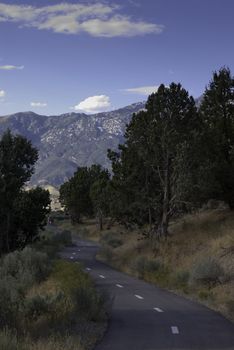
[(163, 229), (8, 231), (231, 201), (150, 218), (100, 219)]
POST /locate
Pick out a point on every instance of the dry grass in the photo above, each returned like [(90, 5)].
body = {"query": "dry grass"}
[(10, 341), (193, 237)]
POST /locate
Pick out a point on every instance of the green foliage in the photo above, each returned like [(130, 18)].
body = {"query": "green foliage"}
[(31, 210), (78, 286), (217, 113), (146, 171), (50, 242), (181, 278), (46, 305), (143, 265), (28, 261), (21, 213), (18, 271), (11, 298), (206, 295), (207, 271), (85, 192), (174, 159)]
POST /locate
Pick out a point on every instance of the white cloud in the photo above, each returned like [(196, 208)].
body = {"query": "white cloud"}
[(143, 90), (99, 20), (2, 94), (11, 67), (119, 26), (38, 104), (94, 104)]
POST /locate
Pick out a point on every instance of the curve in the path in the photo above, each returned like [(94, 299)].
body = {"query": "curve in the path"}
[(144, 317)]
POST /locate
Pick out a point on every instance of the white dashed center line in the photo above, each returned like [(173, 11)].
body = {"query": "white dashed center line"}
[(119, 286), (74, 253), (174, 330), (88, 269), (138, 296), (158, 309), (71, 257), (101, 276)]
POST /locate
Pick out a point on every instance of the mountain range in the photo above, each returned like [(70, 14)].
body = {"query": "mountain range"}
[(68, 141)]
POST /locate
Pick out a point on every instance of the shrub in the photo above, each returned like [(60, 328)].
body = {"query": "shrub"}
[(28, 265), (112, 240), (18, 271), (205, 295), (49, 305), (181, 278), (57, 343), (230, 307), (115, 242), (78, 287), (106, 253), (138, 265), (152, 266), (11, 298), (143, 265), (207, 272), (89, 303), (9, 341), (36, 263)]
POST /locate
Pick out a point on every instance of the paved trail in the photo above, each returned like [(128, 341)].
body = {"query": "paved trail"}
[(145, 317)]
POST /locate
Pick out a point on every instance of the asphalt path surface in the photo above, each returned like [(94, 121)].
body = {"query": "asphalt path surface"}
[(145, 317)]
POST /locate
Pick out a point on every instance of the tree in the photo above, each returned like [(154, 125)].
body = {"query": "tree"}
[(155, 139), (75, 193), (133, 185), (217, 112), (31, 210), (99, 194), (17, 159)]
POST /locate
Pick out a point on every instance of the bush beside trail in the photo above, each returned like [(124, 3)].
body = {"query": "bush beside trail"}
[(41, 297)]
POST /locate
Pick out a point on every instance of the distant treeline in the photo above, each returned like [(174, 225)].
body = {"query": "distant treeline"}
[(176, 157)]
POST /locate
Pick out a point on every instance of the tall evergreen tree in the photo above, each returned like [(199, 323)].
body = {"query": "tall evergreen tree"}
[(156, 140), (217, 112)]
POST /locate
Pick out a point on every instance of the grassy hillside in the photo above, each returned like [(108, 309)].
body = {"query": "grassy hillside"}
[(197, 260)]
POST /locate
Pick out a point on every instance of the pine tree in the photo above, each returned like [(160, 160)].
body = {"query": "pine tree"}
[(217, 112), (146, 171)]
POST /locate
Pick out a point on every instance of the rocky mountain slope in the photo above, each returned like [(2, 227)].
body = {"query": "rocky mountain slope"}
[(69, 140)]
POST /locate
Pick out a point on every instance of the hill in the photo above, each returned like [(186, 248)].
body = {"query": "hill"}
[(68, 141)]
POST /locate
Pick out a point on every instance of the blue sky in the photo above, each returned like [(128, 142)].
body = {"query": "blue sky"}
[(58, 57)]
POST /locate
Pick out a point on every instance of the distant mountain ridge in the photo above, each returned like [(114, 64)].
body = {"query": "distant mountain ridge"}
[(70, 140)]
